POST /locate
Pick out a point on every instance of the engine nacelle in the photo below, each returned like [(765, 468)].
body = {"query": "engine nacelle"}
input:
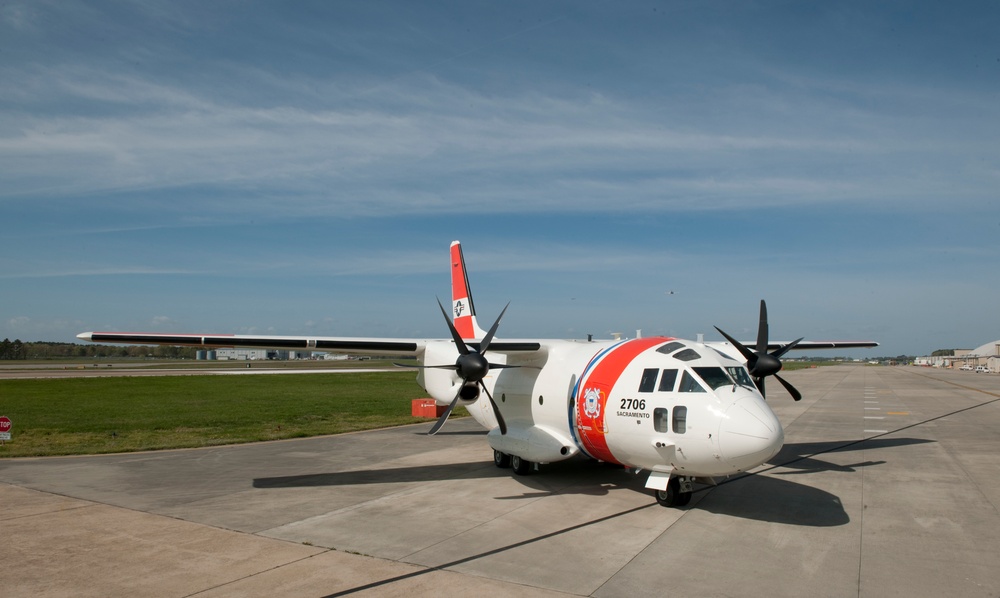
[(443, 384)]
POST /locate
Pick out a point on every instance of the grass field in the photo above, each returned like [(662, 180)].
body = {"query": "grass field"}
[(103, 415)]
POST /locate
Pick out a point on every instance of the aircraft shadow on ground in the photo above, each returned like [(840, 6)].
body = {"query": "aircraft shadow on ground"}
[(775, 501), (802, 456), (759, 497), (418, 473), (575, 476)]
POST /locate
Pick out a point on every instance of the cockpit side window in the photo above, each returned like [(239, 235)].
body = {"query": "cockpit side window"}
[(648, 382), (689, 384), (714, 377), (668, 380)]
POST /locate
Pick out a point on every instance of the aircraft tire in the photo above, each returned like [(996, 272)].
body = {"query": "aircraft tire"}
[(501, 460), (672, 496), (519, 465)]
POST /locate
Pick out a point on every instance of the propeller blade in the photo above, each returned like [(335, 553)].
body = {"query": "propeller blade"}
[(796, 395), (444, 416), (747, 354), (471, 365), (462, 348), (762, 330), (760, 363), (414, 366), (782, 350), (496, 409), (493, 330)]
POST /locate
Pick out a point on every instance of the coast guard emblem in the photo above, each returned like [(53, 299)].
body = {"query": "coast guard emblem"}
[(592, 402)]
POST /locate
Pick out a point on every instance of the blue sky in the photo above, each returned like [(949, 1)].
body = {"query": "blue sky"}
[(301, 168)]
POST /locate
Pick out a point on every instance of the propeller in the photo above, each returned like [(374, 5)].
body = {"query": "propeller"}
[(472, 366), (761, 363)]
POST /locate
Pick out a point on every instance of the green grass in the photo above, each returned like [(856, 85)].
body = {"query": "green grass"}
[(791, 366), (103, 415)]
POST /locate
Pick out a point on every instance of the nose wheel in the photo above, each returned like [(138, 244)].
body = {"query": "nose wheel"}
[(675, 495)]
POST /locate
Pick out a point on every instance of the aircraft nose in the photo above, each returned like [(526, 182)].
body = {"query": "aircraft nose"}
[(750, 434)]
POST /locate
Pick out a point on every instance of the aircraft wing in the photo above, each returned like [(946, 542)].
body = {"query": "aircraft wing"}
[(805, 345), (351, 345), (733, 352), (354, 346)]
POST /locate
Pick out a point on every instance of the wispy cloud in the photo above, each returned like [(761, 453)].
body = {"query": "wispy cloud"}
[(428, 145)]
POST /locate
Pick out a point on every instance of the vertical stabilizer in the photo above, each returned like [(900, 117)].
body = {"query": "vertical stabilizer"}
[(462, 309)]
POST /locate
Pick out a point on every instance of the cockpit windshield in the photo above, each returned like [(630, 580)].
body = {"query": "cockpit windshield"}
[(741, 376), (713, 376)]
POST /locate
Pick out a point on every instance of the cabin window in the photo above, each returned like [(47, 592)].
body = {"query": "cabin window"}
[(648, 382), (670, 347), (689, 384), (680, 420), (687, 355), (714, 377), (668, 380), (661, 419)]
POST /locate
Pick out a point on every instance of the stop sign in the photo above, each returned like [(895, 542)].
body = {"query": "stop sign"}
[(5, 424)]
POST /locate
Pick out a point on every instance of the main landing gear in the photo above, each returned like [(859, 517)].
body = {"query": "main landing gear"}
[(677, 494), (519, 465)]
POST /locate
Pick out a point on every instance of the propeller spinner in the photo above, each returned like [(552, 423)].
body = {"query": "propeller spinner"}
[(761, 363)]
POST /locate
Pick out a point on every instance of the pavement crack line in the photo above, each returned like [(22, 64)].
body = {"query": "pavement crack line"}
[(474, 557), (255, 574), (481, 524)]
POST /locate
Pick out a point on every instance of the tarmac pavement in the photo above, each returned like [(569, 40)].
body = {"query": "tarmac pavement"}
[(888, 484)]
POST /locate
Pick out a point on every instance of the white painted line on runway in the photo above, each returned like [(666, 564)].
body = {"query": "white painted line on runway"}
[(873, 417)]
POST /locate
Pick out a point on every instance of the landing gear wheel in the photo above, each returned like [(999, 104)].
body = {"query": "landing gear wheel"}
[(672, 496), (520, 466), (501, 460)]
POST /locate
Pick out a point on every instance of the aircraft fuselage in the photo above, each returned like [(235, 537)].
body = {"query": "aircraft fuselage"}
[(659, 404)]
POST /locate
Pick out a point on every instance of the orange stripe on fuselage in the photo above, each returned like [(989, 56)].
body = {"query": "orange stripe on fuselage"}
[(592, 396)]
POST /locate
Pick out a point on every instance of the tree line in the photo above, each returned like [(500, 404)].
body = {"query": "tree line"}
[(17, 350)]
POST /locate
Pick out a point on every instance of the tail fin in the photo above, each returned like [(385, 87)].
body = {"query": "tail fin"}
[(462, 308)]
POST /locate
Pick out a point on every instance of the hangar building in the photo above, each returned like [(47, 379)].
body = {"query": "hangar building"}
[(987, 356)]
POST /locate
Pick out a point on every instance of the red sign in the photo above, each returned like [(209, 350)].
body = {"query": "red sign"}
[(5, 424)]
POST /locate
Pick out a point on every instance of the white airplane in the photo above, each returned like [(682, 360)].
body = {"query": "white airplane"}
[(684, 411)]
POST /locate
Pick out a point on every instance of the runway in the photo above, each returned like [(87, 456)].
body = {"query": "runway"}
[(888, 484)]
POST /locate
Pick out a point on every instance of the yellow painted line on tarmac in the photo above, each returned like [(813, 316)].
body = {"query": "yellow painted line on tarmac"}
[(897, 412)]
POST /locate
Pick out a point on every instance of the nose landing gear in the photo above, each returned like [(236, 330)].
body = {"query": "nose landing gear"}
[(677, 494)]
